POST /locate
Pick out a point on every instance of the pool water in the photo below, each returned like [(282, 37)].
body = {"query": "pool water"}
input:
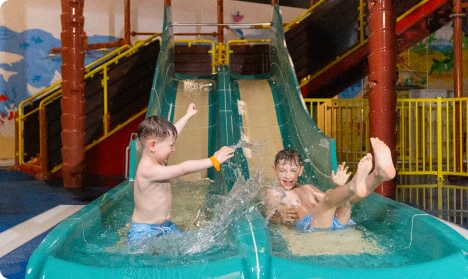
[(206, 220), (381, 238)]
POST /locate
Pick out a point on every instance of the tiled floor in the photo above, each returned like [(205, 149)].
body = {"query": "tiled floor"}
[(23, 198)]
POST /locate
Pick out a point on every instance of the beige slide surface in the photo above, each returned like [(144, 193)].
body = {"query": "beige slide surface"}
[(260, 124), (192, 143)]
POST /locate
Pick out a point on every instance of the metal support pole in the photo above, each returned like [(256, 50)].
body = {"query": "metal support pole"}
[(382, 78), (73, 70), (126, 40), (220, 21), (458, 73), (43, 146)]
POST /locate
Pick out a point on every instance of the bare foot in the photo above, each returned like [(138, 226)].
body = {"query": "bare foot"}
[(358, 184), (384, 167)]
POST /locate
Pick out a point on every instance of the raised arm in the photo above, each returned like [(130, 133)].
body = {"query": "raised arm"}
[(191, 111), (164, 173)]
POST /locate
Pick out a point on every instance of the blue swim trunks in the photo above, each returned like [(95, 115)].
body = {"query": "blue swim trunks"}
[(304, 224), (139, 232)]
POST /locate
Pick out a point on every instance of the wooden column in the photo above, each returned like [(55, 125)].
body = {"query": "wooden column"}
[(457, 73), (220, 21), (382, 78), (73, 134), (127, 22)]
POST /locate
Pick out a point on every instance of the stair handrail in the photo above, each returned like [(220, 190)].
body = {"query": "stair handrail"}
[(301, 17), (49, 89), (362, 39), (54, 95)]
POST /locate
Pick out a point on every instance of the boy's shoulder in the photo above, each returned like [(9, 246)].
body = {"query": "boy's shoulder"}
[(146, 165)]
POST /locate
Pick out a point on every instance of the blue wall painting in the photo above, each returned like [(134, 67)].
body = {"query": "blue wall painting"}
[(26, 65)]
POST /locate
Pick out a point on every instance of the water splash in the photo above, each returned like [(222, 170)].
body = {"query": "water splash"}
[(242, 143), (211, 229), (196, 87)]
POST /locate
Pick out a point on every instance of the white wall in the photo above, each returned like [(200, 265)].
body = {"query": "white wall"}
[(105, 17)]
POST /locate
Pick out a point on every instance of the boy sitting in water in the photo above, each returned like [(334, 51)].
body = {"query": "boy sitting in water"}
[(310, 209), (152, 187)]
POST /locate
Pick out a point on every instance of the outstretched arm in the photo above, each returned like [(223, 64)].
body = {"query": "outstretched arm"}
[(164, 173), (191, 111)]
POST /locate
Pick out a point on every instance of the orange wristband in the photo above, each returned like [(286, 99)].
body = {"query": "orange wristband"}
[(215, 163)]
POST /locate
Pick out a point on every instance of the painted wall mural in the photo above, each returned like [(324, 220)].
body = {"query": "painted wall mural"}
[(26, 67), (429, 64)]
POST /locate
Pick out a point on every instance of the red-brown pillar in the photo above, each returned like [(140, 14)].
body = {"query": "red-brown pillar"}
[(220, 21), (382, 77), (73, 134), (458, 73), (126, 40)]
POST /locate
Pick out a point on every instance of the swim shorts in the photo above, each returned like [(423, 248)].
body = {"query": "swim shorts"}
[(304, 224), (139, 232)]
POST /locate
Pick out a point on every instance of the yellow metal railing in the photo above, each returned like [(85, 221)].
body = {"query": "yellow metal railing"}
[(53, 93), (301, 17), (431, 144), (346, 121), (220, 53), (427, 133), (449, 202)]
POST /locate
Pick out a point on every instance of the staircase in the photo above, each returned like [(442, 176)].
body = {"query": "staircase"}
[(117, 91), (328, 44)]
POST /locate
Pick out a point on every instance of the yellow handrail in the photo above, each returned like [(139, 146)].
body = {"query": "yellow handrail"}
[(58, 83), (417, 6), (105, 57), (302, 16), (47, 97), (307, 79), (426, 140), (362, 21)]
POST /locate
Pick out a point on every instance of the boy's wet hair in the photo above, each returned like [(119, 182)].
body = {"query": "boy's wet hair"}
[(157, 127), (289, 156)]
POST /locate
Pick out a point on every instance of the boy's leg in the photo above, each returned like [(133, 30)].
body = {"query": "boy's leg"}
[(384, 169), (343, 213), (324, 212)]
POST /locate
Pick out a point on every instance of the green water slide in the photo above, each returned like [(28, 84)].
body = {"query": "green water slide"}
[(390, 240), (92, 242)]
